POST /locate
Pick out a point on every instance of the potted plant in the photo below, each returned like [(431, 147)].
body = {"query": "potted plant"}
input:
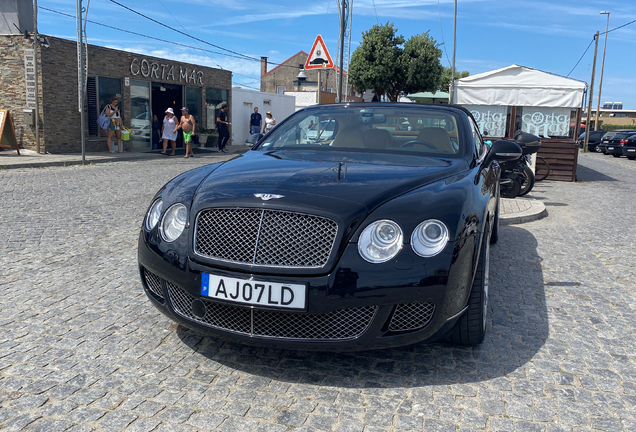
[(206, 135)]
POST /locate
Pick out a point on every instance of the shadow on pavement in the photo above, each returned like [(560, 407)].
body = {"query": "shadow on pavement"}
[(584, 173), (517, 330)]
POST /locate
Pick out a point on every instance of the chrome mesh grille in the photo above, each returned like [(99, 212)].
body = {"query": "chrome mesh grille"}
[(338, 325), (411, 316), (153, 282), (265, 237)]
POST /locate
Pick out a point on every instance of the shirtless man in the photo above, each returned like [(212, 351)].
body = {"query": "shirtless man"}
[(187, 125)]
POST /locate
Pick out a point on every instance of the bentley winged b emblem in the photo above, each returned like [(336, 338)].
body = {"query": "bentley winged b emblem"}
[(267, 197)]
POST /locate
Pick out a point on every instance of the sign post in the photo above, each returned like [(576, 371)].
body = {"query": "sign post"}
[(320, 59)]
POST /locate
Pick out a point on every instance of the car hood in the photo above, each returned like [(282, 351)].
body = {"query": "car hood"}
[(339, 182)]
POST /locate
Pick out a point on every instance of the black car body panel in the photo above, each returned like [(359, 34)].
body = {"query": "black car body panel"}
[(629, 148), (615, 145), (354, 189), (594, 139)]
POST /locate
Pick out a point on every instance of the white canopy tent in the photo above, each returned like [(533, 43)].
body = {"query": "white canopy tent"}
[(519, 86)]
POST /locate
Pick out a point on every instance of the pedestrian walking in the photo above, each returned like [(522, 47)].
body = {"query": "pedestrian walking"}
[(270, 121), (222, 125), (187, 125), (256, 122), (156, 132), (114, 128), (169, 131)]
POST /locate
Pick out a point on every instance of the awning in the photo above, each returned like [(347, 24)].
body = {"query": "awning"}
[(519, 86)]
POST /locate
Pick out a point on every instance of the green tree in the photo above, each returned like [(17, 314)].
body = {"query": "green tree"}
[(446, 78), (390, 66)]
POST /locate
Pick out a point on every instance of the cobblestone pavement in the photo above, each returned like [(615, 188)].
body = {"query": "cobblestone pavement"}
[(82, 349)]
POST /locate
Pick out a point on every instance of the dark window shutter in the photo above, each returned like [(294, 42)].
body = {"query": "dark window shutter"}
[(91, 94)]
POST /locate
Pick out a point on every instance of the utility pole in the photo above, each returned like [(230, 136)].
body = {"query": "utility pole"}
[(80, 75), (452, 89), (589, 102), (600, 85), (343, 19), (37, 79)]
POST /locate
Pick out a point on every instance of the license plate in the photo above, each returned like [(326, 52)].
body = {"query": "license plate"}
[(610, 148), (631, 150), (255, 293)]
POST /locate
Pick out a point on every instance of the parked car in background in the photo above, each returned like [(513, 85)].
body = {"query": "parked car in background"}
[(602, 147), (369, 239), (629, 147), (593, 141), (615, 145)]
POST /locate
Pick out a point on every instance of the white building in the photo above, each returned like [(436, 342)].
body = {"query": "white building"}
[(243, 104)]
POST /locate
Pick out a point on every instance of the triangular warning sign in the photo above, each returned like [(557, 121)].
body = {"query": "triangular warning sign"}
[(319, 56)]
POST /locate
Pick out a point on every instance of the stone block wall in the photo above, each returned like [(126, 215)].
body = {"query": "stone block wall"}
[(61, 94), (13, 86)]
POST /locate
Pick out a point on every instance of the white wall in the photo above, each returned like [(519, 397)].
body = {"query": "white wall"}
[(304, 98), (243, 104)]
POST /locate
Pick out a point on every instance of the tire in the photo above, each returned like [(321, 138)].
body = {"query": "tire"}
[(494, 236), (631, 158), (513, 191), (470, 329), (541, 162), (597, 149), (528, 183), (615, 155)]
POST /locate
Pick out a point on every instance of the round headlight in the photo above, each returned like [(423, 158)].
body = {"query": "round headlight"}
[(380, 241), (154, 214), (174, 222), (429, 238)]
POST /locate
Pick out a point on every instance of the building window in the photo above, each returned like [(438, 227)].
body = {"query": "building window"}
[(280, 89), (140, 121), (267, 102), (99, 90), (329, 90), (193, 102), (491, 120), (213, 100)]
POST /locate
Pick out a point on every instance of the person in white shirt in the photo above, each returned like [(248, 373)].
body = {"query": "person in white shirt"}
[(270, 121)]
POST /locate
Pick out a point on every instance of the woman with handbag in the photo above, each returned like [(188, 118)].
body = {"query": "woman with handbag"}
[(112, 112)]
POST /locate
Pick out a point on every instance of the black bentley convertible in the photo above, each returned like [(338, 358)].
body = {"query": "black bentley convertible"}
[(372, 232)]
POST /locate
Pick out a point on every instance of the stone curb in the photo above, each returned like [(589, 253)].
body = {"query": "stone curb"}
[(535, 212), (70, 160)]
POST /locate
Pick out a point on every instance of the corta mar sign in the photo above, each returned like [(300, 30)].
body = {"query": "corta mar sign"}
[(165, 71)]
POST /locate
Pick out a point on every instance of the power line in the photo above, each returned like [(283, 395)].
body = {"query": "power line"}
[(244, 56), (180, 32), (142, 35), (604, 33), (577, 63), (439, 9), (376, 12)]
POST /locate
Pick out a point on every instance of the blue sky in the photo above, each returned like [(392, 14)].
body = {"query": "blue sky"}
[(491, 34)]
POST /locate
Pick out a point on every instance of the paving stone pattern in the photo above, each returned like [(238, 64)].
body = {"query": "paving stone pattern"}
[(82, 349)]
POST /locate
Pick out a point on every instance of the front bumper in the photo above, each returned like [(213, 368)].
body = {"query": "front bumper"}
[(358, 306)]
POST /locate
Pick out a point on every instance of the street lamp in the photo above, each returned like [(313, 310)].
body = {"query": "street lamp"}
[(600, 86)]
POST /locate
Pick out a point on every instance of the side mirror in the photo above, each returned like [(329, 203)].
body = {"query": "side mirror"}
[(504, 151), (253, 139)]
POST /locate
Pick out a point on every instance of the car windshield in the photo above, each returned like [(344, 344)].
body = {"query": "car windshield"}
[(393, 129)]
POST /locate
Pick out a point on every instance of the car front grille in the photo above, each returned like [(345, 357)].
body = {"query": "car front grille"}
[(269, 238), (342, 324), (153, 285), (411, 316)]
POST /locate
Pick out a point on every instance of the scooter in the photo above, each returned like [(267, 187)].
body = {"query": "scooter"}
[(517, 179)]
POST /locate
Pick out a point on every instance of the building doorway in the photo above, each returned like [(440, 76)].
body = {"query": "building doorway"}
[(166, 96)]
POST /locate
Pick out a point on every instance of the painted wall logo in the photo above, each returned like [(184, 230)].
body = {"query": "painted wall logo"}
[(549, 122), (152, 69), (490, 120)]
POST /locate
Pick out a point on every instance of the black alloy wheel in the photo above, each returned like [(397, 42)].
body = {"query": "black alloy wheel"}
[(470, 329)]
